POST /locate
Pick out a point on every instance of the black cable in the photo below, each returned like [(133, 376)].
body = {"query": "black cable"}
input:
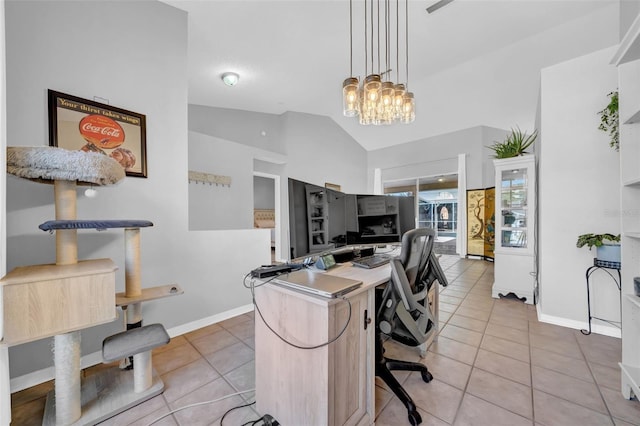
[(234, 408), (252, 287)]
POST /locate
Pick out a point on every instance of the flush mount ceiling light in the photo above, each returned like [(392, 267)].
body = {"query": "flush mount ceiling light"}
[(375, 101), (230, 78)]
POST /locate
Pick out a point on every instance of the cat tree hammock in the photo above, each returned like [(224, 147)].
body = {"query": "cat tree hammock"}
[(63, 298)]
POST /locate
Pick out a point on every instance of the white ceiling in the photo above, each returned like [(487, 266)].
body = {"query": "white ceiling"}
[(473, 62)]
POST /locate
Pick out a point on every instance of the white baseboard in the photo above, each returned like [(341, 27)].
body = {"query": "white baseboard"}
[(579, 325), (46, 374)]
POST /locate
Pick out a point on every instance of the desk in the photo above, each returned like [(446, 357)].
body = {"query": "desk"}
[(330, 385)]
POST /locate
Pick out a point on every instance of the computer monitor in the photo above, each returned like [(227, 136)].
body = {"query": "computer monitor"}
[(322, 219)]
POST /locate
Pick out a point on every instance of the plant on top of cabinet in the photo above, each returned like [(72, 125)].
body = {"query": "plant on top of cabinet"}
[(609, 120), (514, 145)]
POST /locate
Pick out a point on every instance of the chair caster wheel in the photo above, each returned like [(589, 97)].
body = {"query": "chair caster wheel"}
[(426, 376), (414, 418)]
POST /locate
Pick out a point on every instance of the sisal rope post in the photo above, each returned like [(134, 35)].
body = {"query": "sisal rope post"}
[(67, 346), (133, 287), (67, 239), (66, 358), (142, 371)]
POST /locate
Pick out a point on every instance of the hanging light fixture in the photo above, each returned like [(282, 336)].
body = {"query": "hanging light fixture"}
[(376, 99)]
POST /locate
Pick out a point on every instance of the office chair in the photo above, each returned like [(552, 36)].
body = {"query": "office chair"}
[(403, 310)]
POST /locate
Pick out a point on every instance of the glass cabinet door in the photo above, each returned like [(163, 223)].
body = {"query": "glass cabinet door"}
[(513, 208)]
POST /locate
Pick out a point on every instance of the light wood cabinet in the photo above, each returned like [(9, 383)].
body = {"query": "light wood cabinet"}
[(515, 206), (329, 385), (627, 59)]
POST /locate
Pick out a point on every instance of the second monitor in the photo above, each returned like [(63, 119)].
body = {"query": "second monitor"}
[(322, 219)]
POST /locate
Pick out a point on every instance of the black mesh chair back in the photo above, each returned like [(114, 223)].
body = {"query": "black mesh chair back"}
[(404, 312)]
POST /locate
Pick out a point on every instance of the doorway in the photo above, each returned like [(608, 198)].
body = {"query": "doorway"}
[(266, 207), (436, 204)]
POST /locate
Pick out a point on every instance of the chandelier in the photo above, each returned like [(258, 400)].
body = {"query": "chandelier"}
[(377, 100)]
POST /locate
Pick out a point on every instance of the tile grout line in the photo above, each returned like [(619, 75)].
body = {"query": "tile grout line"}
[(586, 361)]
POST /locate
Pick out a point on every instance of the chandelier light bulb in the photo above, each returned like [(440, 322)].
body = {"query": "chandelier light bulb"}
[(350, 97), (408, 109)]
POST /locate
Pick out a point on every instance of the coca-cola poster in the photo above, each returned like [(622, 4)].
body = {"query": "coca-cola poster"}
[(81, 124)]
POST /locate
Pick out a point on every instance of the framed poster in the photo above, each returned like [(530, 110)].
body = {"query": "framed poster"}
[(81, 124)]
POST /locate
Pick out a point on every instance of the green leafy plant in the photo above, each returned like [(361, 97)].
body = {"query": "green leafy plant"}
[(514, 145), (597, 240), (609, 120)]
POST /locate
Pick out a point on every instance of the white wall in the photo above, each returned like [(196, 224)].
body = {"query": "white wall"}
[(263, 193), (142, 66), (579, 188), (216, 207), (439, 155), (306, 147)]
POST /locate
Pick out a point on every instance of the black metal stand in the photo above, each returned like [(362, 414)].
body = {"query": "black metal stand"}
[(607, 267)]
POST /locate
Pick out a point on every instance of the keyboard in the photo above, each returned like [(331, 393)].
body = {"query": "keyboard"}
[(371, 261)]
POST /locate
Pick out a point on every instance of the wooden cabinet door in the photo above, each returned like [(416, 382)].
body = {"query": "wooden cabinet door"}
[(351, 382)]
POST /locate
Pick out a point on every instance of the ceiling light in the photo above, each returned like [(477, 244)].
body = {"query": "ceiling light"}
[(441, 179), (376, 99), (230, 78)]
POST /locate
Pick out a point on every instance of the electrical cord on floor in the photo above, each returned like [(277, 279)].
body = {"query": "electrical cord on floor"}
[(267, 420), (198, 404), (233, 409), (252, 286)]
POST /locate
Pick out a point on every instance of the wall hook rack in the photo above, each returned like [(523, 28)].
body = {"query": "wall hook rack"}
[(202, 177)]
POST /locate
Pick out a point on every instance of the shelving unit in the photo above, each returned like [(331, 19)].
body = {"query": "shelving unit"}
[(378, 217), (317, 218), (515, 222), (627, 59)]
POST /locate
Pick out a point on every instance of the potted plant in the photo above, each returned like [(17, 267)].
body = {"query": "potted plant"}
[(514, 145), (609, 120), (607, 245)]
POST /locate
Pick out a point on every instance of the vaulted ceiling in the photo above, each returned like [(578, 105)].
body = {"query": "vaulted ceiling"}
[(472, 62)]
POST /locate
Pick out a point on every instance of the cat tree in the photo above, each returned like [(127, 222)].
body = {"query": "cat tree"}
[(63, 298)]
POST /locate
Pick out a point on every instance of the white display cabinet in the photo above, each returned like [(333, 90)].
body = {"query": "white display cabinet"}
[(627, 59), (515, 223)]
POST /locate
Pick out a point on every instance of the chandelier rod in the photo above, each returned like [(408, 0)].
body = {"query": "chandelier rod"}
[(372, 37), (378, 33), (406, 38), (398, 40), (366, 47), (350, 38), (386, 35)]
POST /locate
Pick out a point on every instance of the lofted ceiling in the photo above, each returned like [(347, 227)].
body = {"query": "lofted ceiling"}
[(472, 62)]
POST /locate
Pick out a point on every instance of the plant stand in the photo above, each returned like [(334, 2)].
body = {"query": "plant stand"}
[(606, 267)]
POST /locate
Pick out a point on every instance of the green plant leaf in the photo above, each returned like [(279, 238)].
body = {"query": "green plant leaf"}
[(515, 144), (609, 120)]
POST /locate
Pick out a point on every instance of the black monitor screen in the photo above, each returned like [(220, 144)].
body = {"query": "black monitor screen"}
[(322, 219)]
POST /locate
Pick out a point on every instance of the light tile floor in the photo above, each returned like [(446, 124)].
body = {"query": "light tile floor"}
[(493, 364)]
